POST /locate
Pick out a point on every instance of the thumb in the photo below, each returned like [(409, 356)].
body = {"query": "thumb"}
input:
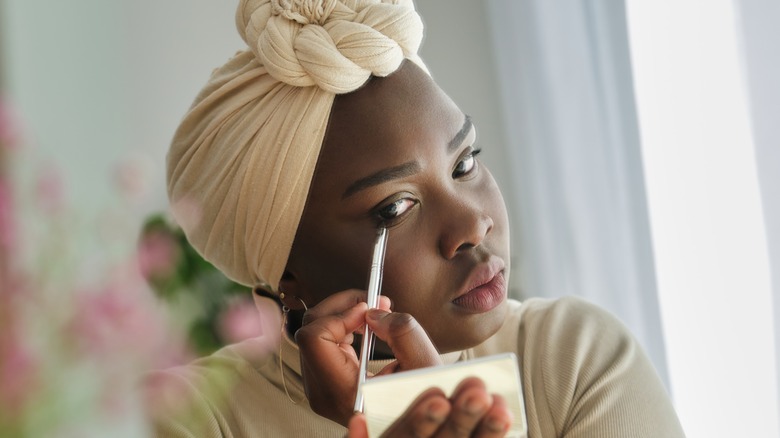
[(357, 427), (405, 337)]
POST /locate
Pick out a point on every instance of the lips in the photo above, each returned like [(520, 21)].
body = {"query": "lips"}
[(485, 288)]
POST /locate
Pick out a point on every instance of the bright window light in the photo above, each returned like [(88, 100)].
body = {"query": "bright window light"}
[(706, 218)]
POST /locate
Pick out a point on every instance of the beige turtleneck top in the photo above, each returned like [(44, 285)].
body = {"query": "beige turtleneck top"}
[(583, 375)]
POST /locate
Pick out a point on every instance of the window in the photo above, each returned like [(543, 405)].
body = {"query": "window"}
[(706, 216)]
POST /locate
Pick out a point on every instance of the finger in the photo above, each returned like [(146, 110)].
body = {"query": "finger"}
[(334, 329), (329, 365), (406, 337), (465, 384), (497, 421), (335, 304), (470, 402), (384, 303), (358, 428), (423, 417), (339, 302)]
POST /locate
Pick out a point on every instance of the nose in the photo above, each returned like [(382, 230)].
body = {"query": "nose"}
[(465, 227)]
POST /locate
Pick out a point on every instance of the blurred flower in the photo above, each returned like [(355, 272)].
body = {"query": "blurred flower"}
[(158, 255), (132, 176), (71, 359), (193, 285), (116, 319), (77, 330), (18, 369), (50, 190), (242, 319), (9, 133), (7, 225)]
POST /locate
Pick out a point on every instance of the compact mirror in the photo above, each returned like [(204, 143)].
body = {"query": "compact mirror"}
[(387, 397)]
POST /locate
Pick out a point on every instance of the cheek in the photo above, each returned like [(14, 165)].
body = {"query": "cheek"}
[(494, 200), (495, 207), (410, 273)]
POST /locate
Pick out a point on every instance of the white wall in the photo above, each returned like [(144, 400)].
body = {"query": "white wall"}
[(102, 83)]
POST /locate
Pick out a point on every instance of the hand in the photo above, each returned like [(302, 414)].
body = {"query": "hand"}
[(470, 412), (329, 364), (330, 367)]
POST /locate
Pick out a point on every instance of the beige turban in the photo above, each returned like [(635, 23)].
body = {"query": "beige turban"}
[(241, 162)]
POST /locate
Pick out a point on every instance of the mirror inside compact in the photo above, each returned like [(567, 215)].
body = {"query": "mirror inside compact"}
[(387, 397)]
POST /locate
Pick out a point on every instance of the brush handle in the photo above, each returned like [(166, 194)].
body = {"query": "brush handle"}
[(374, 289)]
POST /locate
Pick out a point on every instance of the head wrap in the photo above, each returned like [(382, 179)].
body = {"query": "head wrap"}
[(241, 162)]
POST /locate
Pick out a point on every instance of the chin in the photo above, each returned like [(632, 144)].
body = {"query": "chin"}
[(472, 329)]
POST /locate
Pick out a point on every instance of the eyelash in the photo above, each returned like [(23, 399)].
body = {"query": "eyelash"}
[(381, 212), (470, 156)]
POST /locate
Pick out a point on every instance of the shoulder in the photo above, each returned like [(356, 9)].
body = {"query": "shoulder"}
[(213, 374), (574, 338), (194, 399), (552, 313), (584, 374), (569, 319), (541, 324)]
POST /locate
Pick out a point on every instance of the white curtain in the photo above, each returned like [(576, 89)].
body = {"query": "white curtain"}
[(758, 21), (565, 79)]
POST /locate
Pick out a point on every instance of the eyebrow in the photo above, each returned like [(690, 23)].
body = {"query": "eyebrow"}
[(461, 135), (405, 169), (384, 175)]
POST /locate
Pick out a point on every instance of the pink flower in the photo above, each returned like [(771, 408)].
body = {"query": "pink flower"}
[(9, 131), (132, 176), (18, 370), (8, 229), (119, 322), (50, 190), (244, 320), (158, 255)]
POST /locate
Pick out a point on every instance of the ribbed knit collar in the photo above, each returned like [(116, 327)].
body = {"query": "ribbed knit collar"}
[(292, 359)]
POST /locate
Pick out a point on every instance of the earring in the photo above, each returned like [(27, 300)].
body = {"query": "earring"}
[(285, 312), (282, 296)]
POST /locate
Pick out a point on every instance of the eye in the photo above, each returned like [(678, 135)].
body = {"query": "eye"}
[(466, 164), (395, 209)]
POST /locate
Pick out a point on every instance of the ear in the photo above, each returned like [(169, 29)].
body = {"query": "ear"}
[(290, 288)]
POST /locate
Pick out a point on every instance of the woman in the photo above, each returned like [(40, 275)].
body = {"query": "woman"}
[(290, 158)]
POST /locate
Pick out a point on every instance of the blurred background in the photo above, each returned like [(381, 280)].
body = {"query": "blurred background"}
[(636, 144)]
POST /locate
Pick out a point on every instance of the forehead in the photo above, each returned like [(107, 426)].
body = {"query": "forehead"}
[(385, 123)]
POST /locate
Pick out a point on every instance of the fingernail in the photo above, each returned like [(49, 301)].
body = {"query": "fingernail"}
[(474, 405), (496, 425), (437, 412), (500, 423), (376, 315)]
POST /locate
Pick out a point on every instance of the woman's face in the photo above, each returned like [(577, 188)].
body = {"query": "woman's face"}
[(400, 152)]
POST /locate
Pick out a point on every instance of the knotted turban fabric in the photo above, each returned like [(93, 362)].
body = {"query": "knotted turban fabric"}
[(241, 161)]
